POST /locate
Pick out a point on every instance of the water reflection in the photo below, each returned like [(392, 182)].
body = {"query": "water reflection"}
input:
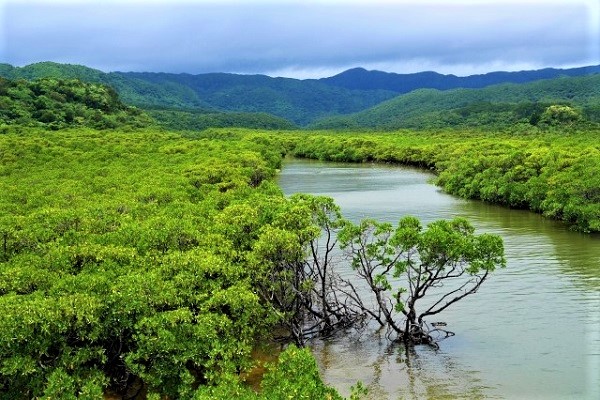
[(390, 370), (532, 331)]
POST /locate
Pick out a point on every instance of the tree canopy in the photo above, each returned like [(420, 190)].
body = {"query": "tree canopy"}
[(56, 103), (125, 258)]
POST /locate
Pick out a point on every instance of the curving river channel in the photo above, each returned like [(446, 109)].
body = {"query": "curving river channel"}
[(531, 332)]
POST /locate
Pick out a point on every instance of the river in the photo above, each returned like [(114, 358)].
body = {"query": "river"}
[(531, 332)]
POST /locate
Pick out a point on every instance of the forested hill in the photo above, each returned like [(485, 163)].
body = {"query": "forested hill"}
[(498, 106), (361, 79), (60, 103), (295, 100), (299, 101), (131, 91)]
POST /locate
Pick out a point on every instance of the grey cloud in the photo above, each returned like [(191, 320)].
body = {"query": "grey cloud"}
[(256, 38)]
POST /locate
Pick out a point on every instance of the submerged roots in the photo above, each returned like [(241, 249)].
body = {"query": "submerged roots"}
[(424, 333)]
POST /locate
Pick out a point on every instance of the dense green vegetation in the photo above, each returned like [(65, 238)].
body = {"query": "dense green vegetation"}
[(295, 100), (298, 101), (132, 91), (492, 108), (325, 103), (145, 260), (136, 255), (55, 104), (200, 120), (556, 173)]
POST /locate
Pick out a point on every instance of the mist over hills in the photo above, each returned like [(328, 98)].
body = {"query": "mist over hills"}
[(353, 98)]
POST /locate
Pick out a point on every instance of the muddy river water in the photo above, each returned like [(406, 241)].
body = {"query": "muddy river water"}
[(531, 332)]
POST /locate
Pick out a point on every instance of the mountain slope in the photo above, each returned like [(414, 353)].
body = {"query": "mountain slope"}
[(301, 101), (60, 103), (361, 79), (494, 105), (52, 70), (131, 91), (292, 99)]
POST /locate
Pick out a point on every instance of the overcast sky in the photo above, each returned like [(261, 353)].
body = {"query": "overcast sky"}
[(302, 39)]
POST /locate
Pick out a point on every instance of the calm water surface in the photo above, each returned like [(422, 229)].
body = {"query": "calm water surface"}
[(531, 332)]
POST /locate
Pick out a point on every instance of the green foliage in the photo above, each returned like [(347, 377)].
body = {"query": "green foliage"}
[(127, 255), (553, 172), (400, 265), (493, 107), (194, 120), (289, 99), (242, 100), (296, 362), (559, 115), (295, 375), (133, 255), (55, 104)]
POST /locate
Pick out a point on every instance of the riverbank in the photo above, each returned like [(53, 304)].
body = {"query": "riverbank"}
[(556, 175)]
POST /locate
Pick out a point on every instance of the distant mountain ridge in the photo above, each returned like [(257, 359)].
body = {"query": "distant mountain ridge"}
[(361, 79), (300, 101), (499, 105)]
